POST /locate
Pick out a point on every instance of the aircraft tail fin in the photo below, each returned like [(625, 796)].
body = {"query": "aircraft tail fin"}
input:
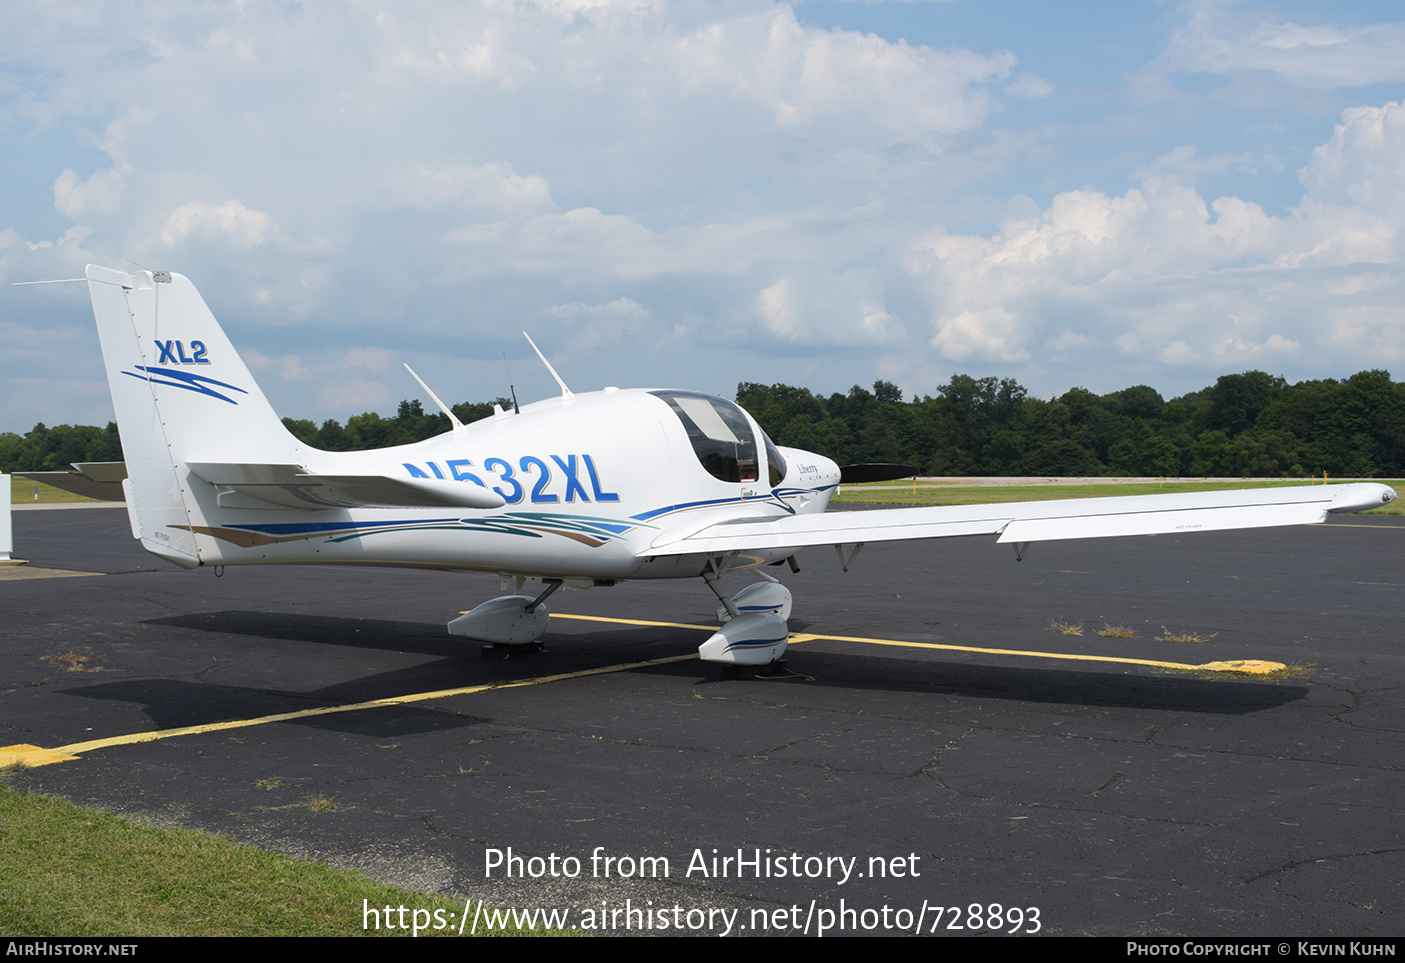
[(181, 394)]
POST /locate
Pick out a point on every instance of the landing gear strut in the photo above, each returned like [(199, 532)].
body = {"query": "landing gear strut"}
[(754, 630)]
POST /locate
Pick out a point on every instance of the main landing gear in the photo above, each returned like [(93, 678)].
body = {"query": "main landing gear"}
[(507, 624), (753, 634)]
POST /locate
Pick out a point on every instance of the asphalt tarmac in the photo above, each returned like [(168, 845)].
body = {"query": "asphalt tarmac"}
[(876, 785)]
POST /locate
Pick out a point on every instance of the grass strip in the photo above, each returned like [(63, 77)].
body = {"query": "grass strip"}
[(69, 871), (900, 494), (22, 492), (894, 493)]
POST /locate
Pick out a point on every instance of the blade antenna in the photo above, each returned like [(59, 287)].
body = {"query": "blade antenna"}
[(516, 409), (453, 419), (565, 392)]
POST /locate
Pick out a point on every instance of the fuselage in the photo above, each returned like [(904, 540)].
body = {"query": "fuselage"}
[(587, 482)]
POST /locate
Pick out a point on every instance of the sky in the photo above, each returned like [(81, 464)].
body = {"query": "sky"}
[(677, 194)]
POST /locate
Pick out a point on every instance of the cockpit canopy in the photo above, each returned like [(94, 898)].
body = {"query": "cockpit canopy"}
[(722, 437)]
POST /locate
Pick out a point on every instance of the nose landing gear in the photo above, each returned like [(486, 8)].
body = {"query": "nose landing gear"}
[(754, 630)]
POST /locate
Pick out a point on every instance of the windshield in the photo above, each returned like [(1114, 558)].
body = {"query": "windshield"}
[(720, 434)]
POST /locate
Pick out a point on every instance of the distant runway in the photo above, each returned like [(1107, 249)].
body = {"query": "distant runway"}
[(908, 767)]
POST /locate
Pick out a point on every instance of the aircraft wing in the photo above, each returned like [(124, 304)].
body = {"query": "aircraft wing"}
[(1021, 522)]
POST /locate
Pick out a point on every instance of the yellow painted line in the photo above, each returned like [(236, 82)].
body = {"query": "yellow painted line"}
[(71, 751), (1251, 666), (666, 625), (1209, 666), (1021, 652), (38, 756), (800, 637), (27, 755)]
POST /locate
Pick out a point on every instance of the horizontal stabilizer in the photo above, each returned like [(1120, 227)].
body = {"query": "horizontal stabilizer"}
[(93, 479), (292, 486)]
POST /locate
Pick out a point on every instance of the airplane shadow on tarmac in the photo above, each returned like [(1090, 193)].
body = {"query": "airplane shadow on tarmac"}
[(338, 676)]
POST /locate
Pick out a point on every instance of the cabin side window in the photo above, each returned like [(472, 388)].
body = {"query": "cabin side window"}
[(775, 464)]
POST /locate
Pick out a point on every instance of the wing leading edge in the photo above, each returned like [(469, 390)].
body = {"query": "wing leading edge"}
[(1021, 522)]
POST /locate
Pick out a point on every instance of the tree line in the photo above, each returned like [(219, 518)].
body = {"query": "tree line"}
[(1245, 425)]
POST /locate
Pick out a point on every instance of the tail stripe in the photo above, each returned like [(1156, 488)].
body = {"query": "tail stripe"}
[(184, 379)]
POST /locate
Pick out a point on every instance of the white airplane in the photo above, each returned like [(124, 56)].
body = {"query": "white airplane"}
[(582, 489)]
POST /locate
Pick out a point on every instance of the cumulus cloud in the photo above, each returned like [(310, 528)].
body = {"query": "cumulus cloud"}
[(802, 76), (1362, 164), (1229, 353), (822, 308), (1168, 277), (986, 334), (229, 220), (99, 193), (675, 180)]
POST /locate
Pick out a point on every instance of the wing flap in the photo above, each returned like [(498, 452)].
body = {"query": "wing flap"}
[(832, 528)]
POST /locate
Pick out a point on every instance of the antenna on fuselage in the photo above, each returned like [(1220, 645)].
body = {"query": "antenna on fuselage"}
[(565, 392), (453, 419), (512, 389)]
